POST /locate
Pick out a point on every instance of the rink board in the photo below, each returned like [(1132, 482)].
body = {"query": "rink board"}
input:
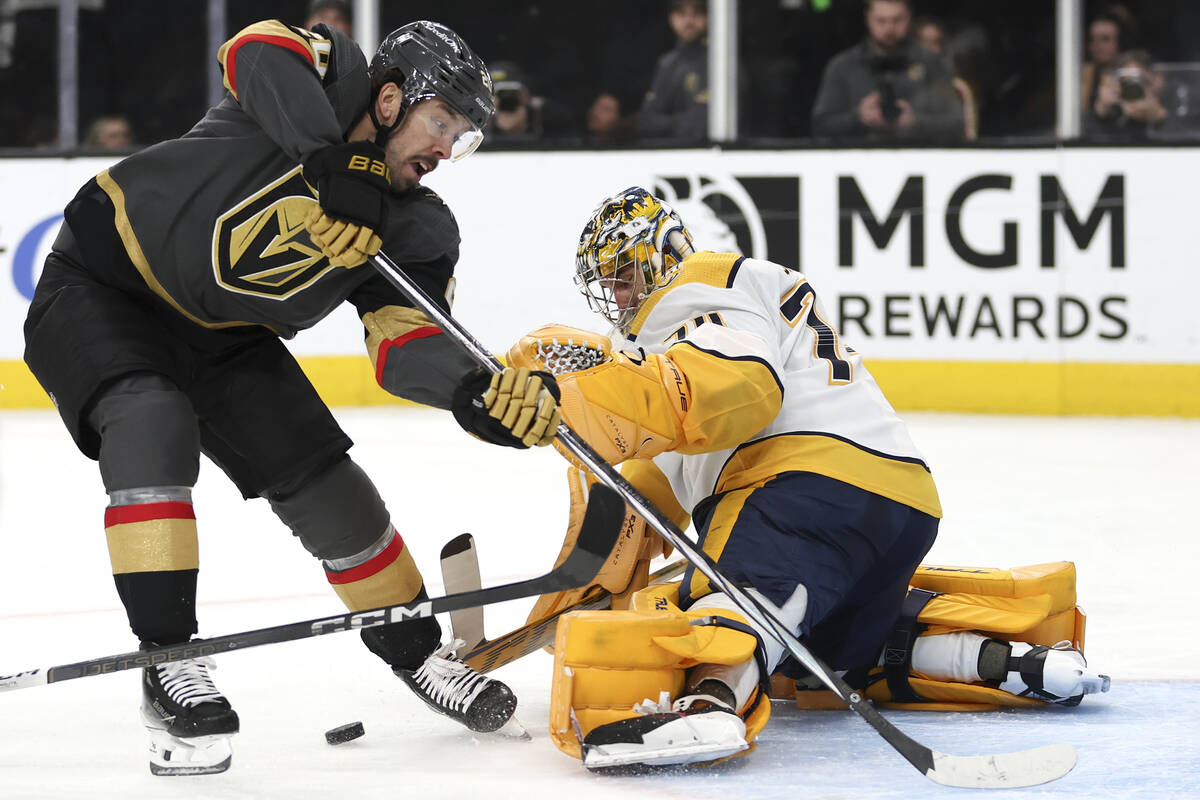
[(1053, 281)]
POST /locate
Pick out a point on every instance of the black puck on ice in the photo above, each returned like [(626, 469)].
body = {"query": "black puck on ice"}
[(344, 733)]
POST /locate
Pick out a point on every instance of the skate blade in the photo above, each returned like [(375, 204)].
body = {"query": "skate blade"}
[(171, 770), (607, 757), (203, 755), (513, 730)]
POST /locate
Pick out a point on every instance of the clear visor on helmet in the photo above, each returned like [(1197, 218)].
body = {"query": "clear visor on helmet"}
[(450, 128)]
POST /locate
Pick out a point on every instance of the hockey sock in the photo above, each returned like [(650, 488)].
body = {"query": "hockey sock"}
[(383, 575), (957, 656), (154, 551)]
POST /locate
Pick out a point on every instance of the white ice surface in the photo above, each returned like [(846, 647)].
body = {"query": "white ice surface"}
[(1115, 496)]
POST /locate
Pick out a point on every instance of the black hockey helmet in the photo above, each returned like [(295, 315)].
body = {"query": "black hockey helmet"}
[(427, 59)]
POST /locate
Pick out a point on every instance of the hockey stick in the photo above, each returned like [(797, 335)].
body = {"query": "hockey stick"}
[(489, 655), (1000, 771), (597, 537), (460, 573)]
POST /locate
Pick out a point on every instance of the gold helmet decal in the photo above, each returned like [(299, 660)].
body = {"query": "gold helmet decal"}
[(631, 227)]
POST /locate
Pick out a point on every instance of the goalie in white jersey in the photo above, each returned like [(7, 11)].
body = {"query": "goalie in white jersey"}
[(730, 399)]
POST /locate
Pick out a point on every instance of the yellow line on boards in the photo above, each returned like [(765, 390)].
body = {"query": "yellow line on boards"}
[(985, 387)]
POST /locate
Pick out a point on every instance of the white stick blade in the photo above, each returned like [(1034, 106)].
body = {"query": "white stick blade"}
[(1004, 770)]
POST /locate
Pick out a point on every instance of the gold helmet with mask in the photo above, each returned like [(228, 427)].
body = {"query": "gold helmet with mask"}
[(635, 228)]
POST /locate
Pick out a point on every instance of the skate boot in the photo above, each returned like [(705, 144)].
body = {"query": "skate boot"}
[(1058, 674), (189, 721), (450, 687), (694, 729)]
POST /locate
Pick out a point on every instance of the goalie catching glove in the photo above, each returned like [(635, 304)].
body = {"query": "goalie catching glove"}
[(514, 408), (625, 405), (352, 181)]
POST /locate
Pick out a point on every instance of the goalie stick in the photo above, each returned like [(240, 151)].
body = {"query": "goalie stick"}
[(601, 527), (999, 771)]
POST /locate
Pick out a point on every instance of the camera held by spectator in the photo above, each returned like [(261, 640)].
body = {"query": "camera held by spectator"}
[(518, 109), (887, 69), (1131, 83), (1128, 99)]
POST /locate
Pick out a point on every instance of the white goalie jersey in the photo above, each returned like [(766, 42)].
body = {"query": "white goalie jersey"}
[(832, 420)]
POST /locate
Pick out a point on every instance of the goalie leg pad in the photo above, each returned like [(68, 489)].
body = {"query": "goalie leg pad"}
[(607, 662), (943, 663), (626, 569)]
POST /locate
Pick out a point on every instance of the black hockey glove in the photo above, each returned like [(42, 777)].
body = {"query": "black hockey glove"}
[(353, 182), (514, 408)]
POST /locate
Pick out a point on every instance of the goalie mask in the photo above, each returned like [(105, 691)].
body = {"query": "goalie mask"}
[(632, 242), (427, 59)]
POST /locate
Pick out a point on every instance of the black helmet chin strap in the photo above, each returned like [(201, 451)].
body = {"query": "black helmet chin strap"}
[(382, 132)]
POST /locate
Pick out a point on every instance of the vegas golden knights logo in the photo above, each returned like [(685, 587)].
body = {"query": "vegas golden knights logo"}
[(260, 247)]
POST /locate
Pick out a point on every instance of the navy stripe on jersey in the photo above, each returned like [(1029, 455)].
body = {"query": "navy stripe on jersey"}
[(733, 271), (720, 355), (843, 439)]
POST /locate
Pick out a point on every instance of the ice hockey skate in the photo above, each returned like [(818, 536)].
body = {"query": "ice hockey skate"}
[(190, 723), (694, 729), (450, 687), (1058, 674)]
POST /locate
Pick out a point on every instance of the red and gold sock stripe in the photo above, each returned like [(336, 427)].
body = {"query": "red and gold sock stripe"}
[(389, 578), (152, 537)]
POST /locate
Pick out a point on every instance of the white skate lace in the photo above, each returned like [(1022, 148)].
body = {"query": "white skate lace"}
[(562, 357), (449, 682), (188, 683)]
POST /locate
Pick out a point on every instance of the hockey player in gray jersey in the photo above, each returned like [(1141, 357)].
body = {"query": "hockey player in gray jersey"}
[(156, 330)]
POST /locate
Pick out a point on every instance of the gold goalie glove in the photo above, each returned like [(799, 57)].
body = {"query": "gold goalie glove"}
[(628, 566)]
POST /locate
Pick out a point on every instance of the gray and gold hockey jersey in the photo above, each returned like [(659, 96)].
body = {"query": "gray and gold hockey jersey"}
[(214, 221)]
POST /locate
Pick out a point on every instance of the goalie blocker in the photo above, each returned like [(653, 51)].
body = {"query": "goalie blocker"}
[(1021, 626)]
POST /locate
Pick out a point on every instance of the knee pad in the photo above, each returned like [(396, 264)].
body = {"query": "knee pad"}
[(336, 513), (605, 662), (148, 433)]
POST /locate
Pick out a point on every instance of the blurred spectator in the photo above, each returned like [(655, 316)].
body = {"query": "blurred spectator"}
[(334, 13), (604, 123), (1104, 45), (676, 105), (110, 132), (1128, 100), (931, 35), (521, 115), (887, 87)]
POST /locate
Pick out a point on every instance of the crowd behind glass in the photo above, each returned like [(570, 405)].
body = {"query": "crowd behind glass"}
[(628, 73)]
